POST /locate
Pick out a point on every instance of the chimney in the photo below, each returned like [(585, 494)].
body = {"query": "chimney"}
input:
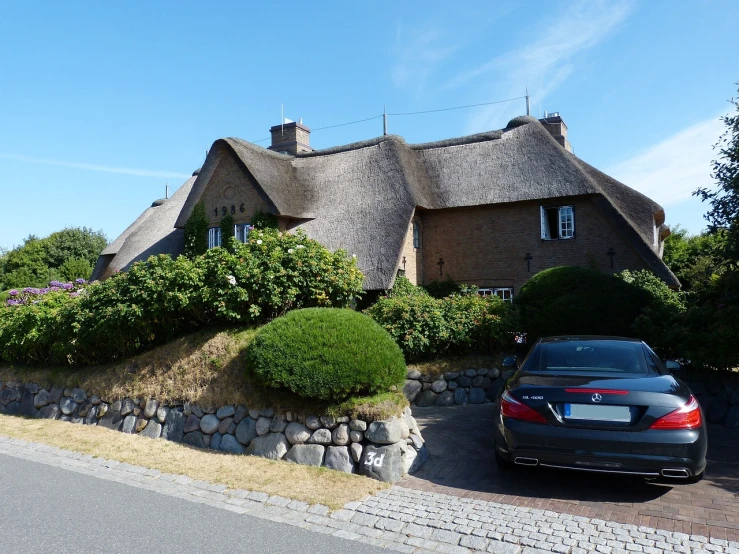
[(292, 137), (553, 123)]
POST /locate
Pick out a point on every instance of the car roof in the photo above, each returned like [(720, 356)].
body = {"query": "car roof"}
[(563, 338)]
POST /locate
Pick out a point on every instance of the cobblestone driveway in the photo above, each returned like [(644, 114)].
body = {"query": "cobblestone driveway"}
[(461, 448)]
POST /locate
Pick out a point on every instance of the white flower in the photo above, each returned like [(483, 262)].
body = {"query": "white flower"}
[(290, 250), (354, 255), (300, 246), (259, 241), (231, 279)]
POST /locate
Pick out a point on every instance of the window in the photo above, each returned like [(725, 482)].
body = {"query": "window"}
[(214, 237), (592, 355), (557, 222), (416, 235), (504, 293), (241, 232)]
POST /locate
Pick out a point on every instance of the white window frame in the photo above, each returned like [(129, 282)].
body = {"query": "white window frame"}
[(565, 222), (214, 237), (241, 231), (504, 293)]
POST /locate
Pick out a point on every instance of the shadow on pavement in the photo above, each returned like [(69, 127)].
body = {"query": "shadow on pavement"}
[(460, 443)]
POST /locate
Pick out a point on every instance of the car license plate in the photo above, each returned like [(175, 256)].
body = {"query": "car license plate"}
[(597, 413)]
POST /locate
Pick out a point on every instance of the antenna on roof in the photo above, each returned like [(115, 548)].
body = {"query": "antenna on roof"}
[(166, 190), (528, 102), (282, 120), (384, 119)]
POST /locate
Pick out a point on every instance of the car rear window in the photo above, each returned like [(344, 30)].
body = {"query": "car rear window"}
[(592, 355)]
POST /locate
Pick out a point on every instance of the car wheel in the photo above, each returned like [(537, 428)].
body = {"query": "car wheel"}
[(697, 478)]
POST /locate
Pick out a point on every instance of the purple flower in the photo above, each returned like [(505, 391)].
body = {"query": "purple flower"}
[(55, 284), (11, 302), (55, 288), (80, 281), (13, 292), (74, 294), (67, 286), (42, 291)]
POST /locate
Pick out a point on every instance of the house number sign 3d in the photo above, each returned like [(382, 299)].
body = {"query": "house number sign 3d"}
[(374, 460), (225, 209)]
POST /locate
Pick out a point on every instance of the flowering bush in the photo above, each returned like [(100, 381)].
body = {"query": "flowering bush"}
[(159, 299), (427, 327), (30, 295)]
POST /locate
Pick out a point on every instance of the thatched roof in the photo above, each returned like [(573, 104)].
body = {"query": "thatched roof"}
[(152, 233), (362, 196)]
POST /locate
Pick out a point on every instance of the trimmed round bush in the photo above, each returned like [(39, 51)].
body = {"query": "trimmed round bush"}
[(326, 354), (575, 300)]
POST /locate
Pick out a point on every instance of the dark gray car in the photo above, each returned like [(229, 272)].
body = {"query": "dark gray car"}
[(600, 404)]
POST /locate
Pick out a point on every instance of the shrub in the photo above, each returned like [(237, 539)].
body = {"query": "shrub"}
[(427, 327), (196, 232), (327, 354), (261, 220), (227, 232), (403, 287), (575, 300), (442, 289), (161, 298)]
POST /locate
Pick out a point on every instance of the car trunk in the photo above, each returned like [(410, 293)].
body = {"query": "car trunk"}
[(629, 402)]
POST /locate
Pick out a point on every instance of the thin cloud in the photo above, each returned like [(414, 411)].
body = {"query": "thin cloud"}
[(672, 169), (419, 54), (546, 62), (95, 167)]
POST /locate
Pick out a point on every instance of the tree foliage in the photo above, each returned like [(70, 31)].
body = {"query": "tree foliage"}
[(723, 216), (196, 232), (67, 254)]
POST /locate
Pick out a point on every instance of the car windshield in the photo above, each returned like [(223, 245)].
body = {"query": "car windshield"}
[(592, 355)]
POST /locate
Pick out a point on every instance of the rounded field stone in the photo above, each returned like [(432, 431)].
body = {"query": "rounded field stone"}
[(306, 454), (127, 406), (153, 429), (224, 425), (278, 424), (356, 436), (320, 436), (464, 381), (240, 414), (387, 431), (426, 398), (174, 426), (150, 409), (273, 446), (411, 389), (231, 445), (340, 436), (68, 406), (215, 441), (338, 458), (449, 375), (192, 423), (312, 422), (451, 385), (209, 424), (78, 395), (262, 426), (477, 396), (225, 411), (358, 425), (356, 450), (162, 413), (329, 422), (413, 374), (41, 399), (383, 463), (297, 433), (129, 424), (438, 386), (141, 424), (246, 430), (446, 398), (194, 439)]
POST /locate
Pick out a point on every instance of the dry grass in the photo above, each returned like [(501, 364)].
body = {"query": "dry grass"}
[(206, 368), (309, 484), (456, 363)]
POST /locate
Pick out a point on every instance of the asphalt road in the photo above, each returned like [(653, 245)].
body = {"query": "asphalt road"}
[(48, 509)]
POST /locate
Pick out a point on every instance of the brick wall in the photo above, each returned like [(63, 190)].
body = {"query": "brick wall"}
[(413, 261), (231, 187), (486, 245)]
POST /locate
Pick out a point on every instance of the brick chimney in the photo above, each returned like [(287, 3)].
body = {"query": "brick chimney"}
[(553, 123), (291, 138)]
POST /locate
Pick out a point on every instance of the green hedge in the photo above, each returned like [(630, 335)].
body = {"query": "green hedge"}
[(575, 300), (327, 354), (427, 327), (161, 298)]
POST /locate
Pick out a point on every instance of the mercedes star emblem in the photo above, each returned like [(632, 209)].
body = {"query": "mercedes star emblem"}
[(597, 397)]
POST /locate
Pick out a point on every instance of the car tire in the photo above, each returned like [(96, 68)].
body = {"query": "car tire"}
[(697, 478)]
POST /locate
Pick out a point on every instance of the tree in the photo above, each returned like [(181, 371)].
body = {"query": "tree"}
[(723, 215), (694, 259)]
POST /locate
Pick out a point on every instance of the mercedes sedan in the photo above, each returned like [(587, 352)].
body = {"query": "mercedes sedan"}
[(600, 404)]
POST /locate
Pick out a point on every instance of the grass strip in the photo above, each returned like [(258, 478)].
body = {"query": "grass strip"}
[(315, 485)]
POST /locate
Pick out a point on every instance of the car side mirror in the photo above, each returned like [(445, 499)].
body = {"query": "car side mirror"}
[(672, 365), (510, 361)]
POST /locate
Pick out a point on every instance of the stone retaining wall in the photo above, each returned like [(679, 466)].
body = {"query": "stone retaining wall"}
[(384, 450), (719, 397), (472, 386)]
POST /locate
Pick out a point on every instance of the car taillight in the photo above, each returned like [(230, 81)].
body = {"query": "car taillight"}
[(687, 417), (512, 408)]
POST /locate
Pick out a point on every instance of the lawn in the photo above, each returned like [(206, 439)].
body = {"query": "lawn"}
[(315, 485)]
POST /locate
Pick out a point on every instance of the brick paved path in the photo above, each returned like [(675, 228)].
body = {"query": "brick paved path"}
[(460, 442)]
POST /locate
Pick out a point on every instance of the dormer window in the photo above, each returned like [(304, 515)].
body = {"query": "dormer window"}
[(557, 222)]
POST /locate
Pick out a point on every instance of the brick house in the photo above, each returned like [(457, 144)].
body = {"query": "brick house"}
[(490, 209)]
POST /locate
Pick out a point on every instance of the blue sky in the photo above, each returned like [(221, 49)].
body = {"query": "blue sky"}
[(103, 103)]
